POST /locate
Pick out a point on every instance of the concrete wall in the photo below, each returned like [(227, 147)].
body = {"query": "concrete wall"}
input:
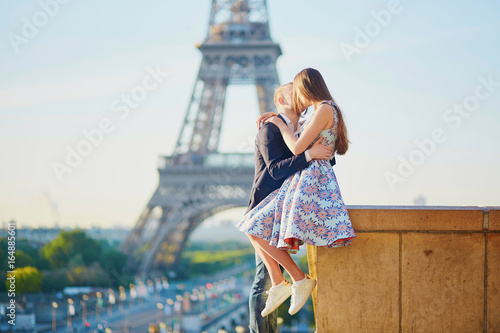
[(411, 269)]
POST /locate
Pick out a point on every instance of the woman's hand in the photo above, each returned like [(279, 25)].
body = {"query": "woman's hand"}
[(276, 121), (263, 117)]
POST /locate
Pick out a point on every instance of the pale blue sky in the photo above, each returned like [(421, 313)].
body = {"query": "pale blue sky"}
[(64, 79)]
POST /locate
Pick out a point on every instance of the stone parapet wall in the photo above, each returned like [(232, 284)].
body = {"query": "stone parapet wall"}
[(411, 269)]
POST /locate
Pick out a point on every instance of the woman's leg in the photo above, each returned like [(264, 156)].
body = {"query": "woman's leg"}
[(272, 265), (276, 256)]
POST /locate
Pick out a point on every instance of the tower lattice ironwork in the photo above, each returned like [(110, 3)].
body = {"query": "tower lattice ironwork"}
[(197, 181)]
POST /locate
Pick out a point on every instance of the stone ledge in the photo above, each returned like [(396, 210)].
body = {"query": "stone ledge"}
[(371, 218), (411, 269), (493, 283), (494, 218)]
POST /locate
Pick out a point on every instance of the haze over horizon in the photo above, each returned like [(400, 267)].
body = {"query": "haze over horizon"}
[(420, 95)]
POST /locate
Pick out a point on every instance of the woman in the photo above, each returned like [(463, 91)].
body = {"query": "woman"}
[(308, 208)]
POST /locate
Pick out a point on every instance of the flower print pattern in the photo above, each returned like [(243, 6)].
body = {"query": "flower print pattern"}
[(308, 208), (307, 190)]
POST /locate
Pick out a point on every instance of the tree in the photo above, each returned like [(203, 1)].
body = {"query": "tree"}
[(93, 275), (27, 280), (3, 276), (55, 280), (38, 260), (71, 245), (112, 260), (23, 259)]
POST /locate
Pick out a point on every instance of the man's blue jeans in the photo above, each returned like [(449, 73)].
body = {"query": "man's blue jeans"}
[(257, 302)]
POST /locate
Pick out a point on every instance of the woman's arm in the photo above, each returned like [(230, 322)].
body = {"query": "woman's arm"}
[(321, 119), (263, 117)]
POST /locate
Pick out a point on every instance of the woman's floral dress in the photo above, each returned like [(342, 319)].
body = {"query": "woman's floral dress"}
[(307, 208)]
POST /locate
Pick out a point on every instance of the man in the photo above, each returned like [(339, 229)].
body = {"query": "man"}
[(274, 162)]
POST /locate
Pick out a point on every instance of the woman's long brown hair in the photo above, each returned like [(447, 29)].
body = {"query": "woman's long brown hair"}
[(310, 84)]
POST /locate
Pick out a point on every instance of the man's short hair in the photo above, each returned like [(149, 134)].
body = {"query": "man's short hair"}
[(280, 92)]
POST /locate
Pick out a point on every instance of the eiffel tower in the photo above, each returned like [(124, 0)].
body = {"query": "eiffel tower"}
[(196, 181)]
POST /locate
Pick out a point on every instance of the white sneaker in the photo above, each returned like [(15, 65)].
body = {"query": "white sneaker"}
[(275, 297), (300, 294)]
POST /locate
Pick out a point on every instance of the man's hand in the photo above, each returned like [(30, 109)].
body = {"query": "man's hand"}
[(263, 117), (320, 152)]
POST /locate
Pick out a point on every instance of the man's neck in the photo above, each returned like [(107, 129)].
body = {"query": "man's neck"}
[(290, 114)]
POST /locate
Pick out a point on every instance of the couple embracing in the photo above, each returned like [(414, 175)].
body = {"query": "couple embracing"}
[(295, 197)]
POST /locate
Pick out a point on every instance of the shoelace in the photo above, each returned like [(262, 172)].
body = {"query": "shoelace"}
[(268, 300), (295, 290)]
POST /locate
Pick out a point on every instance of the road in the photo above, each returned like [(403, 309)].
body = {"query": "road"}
[(139, 316)]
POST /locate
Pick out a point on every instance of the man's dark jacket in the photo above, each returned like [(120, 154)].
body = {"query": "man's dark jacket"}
[(274, 162)]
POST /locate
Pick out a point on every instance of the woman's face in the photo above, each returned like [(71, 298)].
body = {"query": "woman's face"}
[(304, 102)]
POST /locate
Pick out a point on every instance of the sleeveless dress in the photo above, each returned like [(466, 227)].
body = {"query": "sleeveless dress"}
[(307, 208)]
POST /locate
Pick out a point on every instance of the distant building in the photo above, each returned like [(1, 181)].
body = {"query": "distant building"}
[(38, 237), (114, 236), (420, 201)]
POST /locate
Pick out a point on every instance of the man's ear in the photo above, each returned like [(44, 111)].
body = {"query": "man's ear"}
[(281, 101)]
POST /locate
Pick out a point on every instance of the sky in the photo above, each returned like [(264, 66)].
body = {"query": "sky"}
[(418, 82)]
